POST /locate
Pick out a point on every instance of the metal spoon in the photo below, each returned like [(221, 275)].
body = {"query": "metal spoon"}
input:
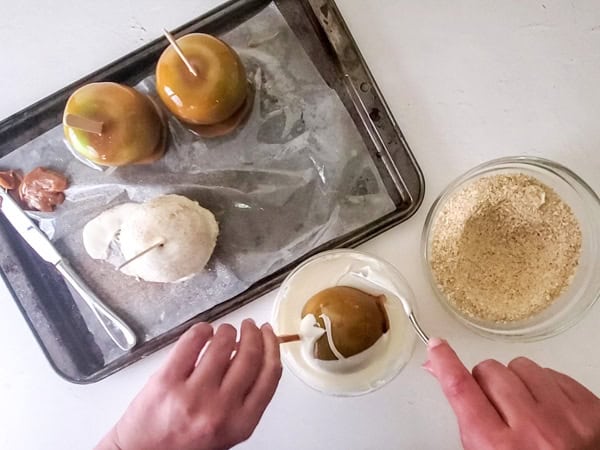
[(357, 279)]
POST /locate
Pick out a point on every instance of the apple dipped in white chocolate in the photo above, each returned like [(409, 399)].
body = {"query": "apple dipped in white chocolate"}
[(165, 240), (354, 320), (354, 333)]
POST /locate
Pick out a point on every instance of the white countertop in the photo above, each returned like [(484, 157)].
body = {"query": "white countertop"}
[(467, 81)]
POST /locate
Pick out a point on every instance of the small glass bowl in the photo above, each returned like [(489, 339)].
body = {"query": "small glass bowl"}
[(326, 270), (584, 289)]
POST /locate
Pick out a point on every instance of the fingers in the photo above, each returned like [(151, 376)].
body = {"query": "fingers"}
[(263, 390), (471, 406), (247, 362), (574, 390), (505, 390), (182, 359), (543, 386), (216, 359)]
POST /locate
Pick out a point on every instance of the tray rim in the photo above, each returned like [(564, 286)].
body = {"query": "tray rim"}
[(261, 287)]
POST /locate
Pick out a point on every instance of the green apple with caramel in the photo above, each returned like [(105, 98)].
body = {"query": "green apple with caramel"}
[(133, 131)]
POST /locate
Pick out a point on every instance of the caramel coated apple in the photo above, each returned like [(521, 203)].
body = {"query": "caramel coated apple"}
[(133, 131), (217, 92), (358, 320), (228, 125)]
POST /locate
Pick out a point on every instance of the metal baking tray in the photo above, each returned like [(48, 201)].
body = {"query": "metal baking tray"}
[(42, 296)]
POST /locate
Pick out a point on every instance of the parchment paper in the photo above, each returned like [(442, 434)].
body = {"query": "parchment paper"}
[(296, 175)]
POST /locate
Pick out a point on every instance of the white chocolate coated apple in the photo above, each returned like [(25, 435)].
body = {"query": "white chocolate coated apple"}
[(187, 231)]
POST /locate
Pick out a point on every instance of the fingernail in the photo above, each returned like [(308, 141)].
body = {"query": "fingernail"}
[(434, 342), (427, 366), (268, 326), (250, 320)]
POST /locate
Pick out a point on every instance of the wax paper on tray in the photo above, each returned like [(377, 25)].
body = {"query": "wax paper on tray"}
[(296, 175)]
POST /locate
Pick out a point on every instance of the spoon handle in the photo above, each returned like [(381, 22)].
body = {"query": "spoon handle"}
[(418, 329)]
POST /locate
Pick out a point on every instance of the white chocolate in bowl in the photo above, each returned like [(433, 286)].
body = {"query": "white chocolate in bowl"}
[(367, 370)]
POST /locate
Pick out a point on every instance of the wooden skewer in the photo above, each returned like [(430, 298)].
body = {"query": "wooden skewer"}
[(284, 338), (177, 48), (142, 253), (81, 123)]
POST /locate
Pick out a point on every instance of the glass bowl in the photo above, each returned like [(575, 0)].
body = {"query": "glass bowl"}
[(584, 289), (330, 269)]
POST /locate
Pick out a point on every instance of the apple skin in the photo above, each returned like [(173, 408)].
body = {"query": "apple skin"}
[(133, 130), (213, 96)]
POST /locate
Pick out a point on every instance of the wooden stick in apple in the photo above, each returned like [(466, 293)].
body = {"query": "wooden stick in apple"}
[(177, 48), (284, 338), (159, 243), (83, 123)]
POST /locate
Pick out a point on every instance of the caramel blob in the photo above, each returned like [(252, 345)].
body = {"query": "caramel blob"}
[(10, 179), (42, 189), (358, 320)]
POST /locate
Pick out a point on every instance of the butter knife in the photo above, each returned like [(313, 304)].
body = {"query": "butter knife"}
[(116, 328)]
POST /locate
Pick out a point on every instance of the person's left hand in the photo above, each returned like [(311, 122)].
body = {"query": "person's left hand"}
[(213, 404)]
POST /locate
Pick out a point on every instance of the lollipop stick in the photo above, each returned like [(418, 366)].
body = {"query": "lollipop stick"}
[(160, 242), (284, 338), (177, 48), (82, 123)]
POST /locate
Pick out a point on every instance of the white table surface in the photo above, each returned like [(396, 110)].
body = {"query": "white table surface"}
[(467, 80)]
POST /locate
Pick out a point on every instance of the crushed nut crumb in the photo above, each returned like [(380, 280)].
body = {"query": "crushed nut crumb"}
[(504, 248)]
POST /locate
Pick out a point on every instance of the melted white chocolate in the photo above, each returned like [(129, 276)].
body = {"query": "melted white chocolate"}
[(310, 332), (368, 369), (329, 334), (98, 233)]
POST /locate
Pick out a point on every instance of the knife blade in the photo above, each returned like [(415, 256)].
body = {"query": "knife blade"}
[(27, 229), (116, 328)]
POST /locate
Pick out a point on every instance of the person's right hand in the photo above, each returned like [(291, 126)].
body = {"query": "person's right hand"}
[(203, 401), (520, 406)]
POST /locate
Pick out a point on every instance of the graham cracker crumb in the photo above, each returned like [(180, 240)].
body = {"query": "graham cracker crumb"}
[(504, 247)]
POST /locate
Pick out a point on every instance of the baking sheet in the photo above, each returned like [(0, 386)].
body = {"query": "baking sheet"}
[(295, 176)]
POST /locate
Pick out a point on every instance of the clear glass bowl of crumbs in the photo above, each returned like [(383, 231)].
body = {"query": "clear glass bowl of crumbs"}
[(511, 248)]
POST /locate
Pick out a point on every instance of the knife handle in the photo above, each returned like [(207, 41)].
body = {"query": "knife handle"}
[(116, 328)]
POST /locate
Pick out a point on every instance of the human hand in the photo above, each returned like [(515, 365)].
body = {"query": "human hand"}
[(519, 406), (214, 404)]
